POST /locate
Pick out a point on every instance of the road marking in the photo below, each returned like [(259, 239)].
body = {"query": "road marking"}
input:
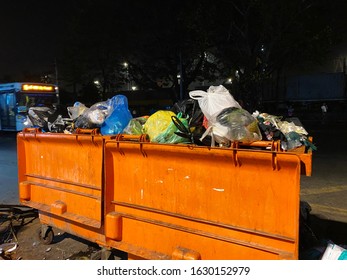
[(328, 209), (323, 190)]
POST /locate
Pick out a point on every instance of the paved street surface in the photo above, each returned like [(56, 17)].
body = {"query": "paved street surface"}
[(8, 169), (325, 192), (326, 189)]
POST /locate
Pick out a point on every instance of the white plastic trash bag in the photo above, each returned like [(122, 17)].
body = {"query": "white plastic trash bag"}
[(214, 101)]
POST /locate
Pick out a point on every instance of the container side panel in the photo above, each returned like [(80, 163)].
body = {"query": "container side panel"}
[(198, 197), (62, 175)]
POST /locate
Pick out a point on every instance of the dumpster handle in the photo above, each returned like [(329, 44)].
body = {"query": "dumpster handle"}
[(31, 130), (132, 138), (274, 149), (94, 131), (274, 145), (235, 146), (143, 138)]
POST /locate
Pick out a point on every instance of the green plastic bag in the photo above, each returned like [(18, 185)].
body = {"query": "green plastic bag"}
[(161, 129)]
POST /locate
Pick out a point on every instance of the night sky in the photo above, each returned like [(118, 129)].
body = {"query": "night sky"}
[(30, 34)]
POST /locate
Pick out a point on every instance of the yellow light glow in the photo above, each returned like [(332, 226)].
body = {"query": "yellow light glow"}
[(32, 87)]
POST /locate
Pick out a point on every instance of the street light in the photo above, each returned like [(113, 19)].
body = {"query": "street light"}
[(125, 64)]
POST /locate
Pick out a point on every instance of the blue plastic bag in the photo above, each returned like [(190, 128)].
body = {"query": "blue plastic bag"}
[(119, 117)]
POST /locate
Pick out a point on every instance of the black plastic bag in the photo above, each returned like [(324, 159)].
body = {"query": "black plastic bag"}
[(190, 109)]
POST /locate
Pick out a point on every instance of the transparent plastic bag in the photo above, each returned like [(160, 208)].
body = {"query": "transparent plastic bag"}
[(39, 116), (135, 126), (76, 110), (91, 118), (241, 125)]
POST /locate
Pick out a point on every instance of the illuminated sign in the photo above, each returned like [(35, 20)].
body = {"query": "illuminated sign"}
[(35, 87)]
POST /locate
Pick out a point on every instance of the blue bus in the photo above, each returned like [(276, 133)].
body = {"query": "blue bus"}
[(16, 99)]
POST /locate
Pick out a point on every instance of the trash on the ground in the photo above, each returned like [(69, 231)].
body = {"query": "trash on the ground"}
[(11, 219), (334, 252), (6, 248)]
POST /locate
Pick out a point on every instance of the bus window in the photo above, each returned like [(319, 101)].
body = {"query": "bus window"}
[(11, 103), (37, 100), (30, 101), (7, 111)]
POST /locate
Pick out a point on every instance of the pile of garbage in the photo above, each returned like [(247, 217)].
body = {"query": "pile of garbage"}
[(211, 118)]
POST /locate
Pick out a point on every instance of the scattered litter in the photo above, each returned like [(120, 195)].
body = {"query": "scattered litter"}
[(334, 252), (8, 247)]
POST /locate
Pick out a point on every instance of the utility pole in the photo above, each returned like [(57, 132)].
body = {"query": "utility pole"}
[(56, 71), (181, 77)]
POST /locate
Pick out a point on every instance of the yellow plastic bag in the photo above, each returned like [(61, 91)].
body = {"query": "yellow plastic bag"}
[(157, 123), (161, 129)]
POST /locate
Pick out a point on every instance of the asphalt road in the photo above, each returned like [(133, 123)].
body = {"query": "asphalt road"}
[(326, 189), (8, 168)]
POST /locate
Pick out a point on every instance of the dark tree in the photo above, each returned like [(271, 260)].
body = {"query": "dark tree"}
[(176, 42)]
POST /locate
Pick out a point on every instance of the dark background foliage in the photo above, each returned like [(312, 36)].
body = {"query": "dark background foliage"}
[(165, 43)]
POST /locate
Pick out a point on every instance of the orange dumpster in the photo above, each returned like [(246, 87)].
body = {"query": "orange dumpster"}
[(189, 202), (61, 175), (166, 201)]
